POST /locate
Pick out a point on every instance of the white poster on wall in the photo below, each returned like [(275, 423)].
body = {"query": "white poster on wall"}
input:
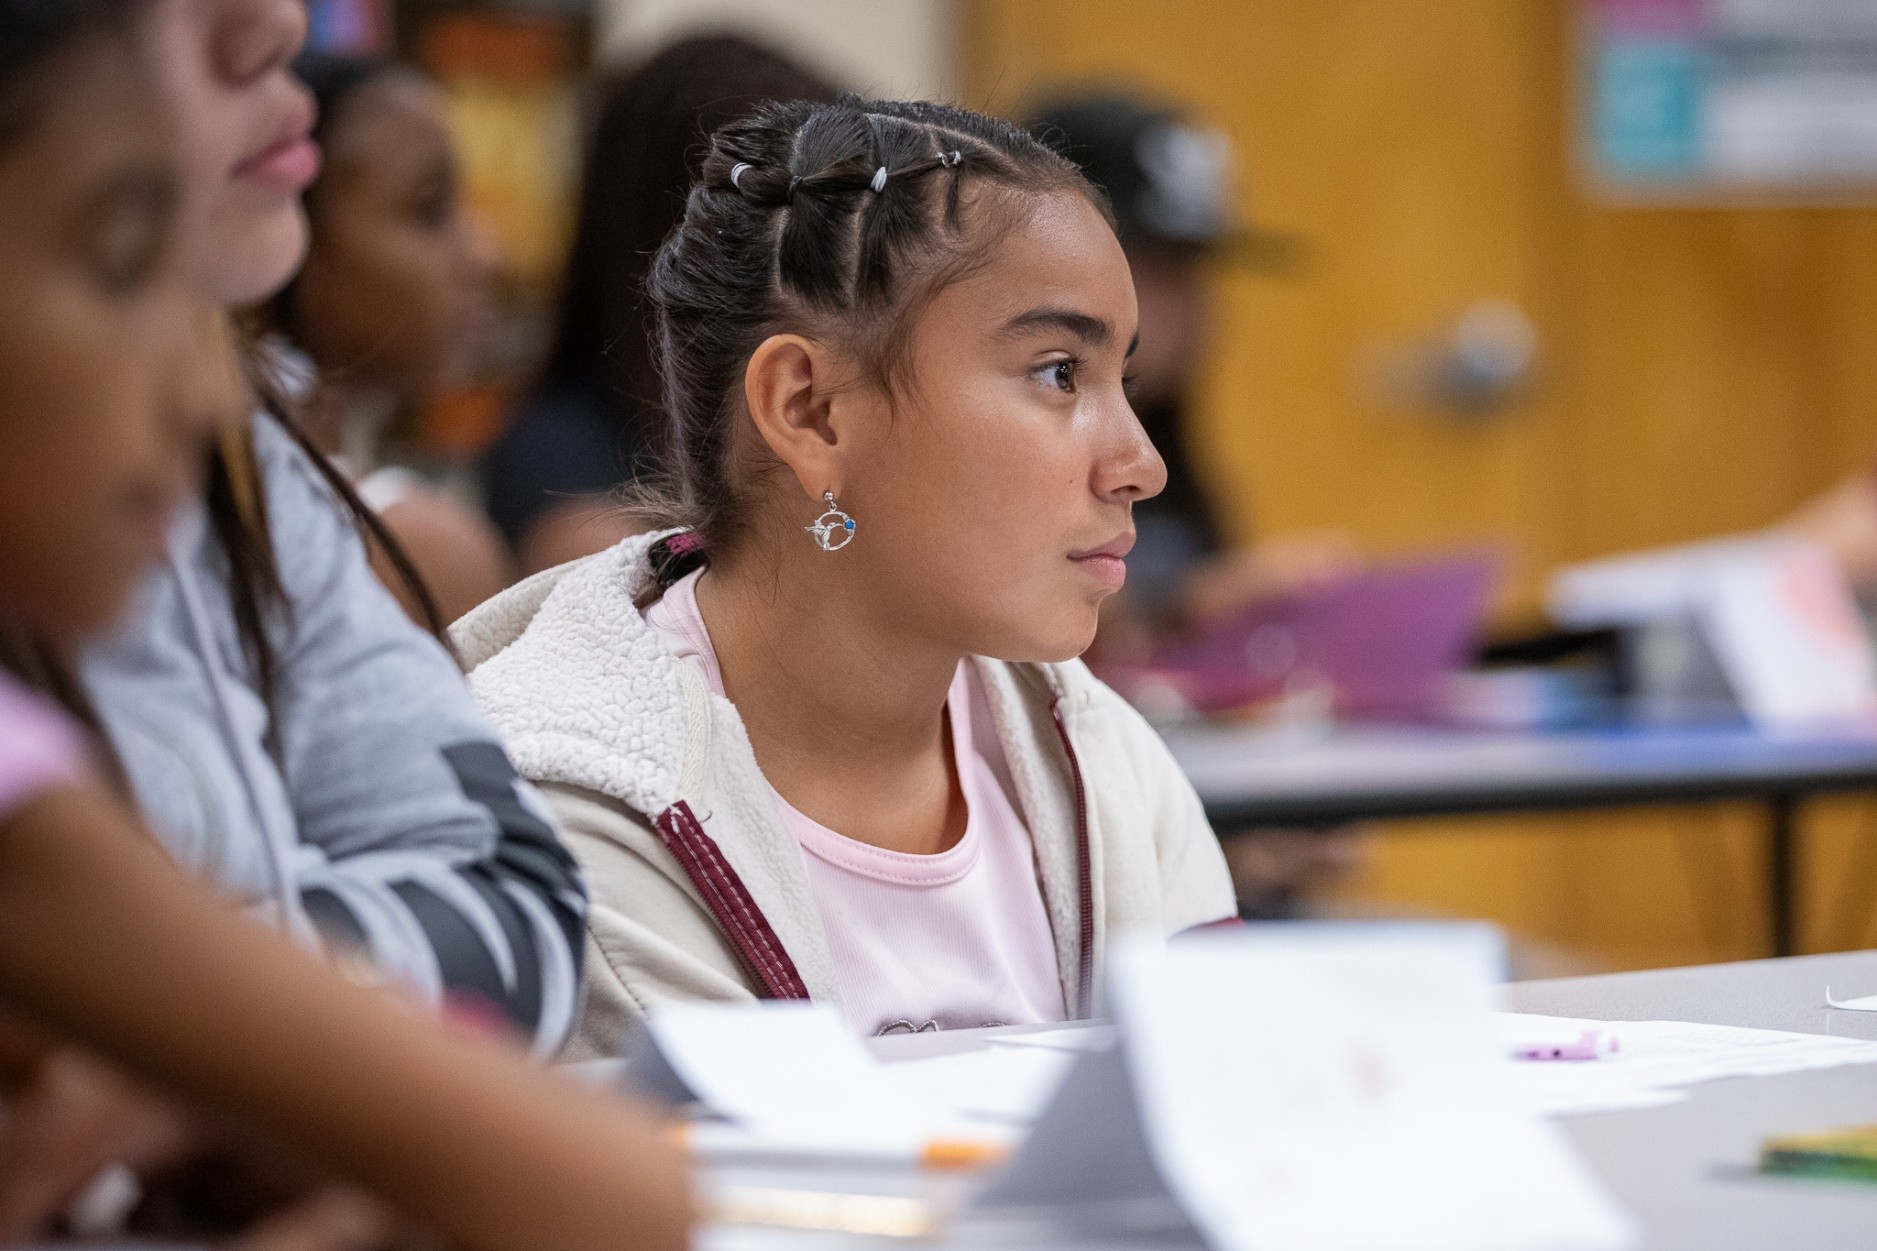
[(1728, 98)]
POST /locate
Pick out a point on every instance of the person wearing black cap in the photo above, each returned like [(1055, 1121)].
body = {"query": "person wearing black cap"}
[(1168, 179)]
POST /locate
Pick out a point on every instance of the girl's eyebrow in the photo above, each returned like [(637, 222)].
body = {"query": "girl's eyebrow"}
[(1094, 333)]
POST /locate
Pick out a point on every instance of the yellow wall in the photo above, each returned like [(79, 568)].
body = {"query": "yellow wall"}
[(1703, 370)]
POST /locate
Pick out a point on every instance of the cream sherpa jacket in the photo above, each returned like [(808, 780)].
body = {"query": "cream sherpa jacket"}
[(698, 889)]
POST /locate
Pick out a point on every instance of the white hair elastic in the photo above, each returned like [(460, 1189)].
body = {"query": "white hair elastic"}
[(736, 174), (879, 180), (951, 160)]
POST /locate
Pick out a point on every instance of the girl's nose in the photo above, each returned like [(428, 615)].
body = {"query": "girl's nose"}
[(1133, 469), (254, 37)]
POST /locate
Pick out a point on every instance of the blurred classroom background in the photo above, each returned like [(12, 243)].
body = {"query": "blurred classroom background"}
[(1517, 303)]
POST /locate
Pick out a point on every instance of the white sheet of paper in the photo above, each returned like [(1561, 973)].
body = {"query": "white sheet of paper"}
[(1086, 1037), (1315, 1087), (1658, 1060), (1344, 1089), (1863, 1003), (1002, 1085), (794, 1070), (1787, 631)]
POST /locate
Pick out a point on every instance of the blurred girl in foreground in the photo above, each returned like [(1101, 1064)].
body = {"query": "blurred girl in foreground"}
[(111, 387), (288, 731)]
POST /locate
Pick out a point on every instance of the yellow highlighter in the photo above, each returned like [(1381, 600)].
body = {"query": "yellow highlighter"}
[(1849, 1154)]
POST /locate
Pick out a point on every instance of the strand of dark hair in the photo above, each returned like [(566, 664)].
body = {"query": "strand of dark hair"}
[(370, 525)]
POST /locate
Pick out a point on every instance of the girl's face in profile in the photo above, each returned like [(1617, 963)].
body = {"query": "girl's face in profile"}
[(113, 374), (242, 122), (996, 494)]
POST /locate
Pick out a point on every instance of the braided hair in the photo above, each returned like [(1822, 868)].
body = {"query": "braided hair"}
[(838, 220)]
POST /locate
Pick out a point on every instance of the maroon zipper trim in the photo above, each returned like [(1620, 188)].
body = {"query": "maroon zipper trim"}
[(729, 901), (1084, 875)]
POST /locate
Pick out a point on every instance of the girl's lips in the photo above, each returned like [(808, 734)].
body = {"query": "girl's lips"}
[(289, 165), (1110, 570)]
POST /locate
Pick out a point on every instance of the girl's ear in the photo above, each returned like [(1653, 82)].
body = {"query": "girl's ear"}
[(793, 387)]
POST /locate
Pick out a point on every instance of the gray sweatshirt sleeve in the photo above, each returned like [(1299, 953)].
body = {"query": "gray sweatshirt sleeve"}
[(416, 839)]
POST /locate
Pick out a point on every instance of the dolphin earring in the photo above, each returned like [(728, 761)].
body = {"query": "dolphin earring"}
[(833, 529)]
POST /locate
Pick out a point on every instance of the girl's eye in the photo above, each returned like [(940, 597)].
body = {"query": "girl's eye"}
[(127, 238), (433, 212), (1130, 385), (124, 255), (432, 199), (1059, 375)]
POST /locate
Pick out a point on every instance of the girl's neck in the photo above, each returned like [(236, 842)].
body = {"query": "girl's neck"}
[(844, 707)]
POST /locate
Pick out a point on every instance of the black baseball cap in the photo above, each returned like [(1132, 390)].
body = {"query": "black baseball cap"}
[(1168, 177)]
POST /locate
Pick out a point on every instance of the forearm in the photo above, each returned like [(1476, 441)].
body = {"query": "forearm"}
[(102, 939), (504, 929), (471, 937)]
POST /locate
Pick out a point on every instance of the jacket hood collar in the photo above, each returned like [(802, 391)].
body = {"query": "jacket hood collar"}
[(585, 694), (579, 686)]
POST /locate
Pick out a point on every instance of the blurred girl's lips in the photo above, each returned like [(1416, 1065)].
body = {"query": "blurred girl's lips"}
[(290, 161), (289, 165), (1107, 563)]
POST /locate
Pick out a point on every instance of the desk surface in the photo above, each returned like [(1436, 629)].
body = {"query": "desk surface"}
[(1684, 1170), (1258, 777)]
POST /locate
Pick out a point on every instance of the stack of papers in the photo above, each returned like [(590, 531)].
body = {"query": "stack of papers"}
[(788, 1080), (1011, 1081)]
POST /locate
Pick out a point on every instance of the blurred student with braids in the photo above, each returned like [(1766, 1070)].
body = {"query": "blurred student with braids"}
[(144, 1023), (592, 421), (290, 734), (823, 734), (392, 301)]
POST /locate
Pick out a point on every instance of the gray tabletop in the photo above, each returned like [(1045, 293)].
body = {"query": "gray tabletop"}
[(1684, 1170), (1259, 776)]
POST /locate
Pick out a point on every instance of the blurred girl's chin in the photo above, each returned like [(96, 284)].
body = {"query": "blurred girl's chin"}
[(251, 264)]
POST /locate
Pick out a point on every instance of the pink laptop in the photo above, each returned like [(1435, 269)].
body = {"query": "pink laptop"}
[(1382, 640)]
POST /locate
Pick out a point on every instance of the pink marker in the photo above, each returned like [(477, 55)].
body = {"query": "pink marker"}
[(1591, 1044)]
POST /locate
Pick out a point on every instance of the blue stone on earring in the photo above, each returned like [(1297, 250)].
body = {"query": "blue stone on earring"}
[(833, 529)]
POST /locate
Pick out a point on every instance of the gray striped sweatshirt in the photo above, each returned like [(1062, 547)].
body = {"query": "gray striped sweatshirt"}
[(386, 817)]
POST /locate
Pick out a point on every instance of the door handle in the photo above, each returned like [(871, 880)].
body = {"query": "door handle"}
[(1473, 368)]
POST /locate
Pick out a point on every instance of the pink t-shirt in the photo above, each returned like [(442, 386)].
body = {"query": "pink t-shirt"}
[(40, 748), (949, 941)]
